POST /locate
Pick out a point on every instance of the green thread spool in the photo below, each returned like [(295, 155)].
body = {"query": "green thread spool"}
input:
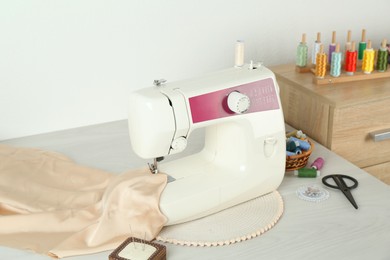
[(362, 45), (307, 173), (381, 64), (302, 49)]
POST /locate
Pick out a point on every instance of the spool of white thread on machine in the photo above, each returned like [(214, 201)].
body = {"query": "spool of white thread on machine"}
[(239, 54)]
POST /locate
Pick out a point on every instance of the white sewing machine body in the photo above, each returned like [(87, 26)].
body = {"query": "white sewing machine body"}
[(244, 152)]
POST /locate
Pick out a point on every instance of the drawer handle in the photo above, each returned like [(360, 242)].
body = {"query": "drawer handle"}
[(380, 135)]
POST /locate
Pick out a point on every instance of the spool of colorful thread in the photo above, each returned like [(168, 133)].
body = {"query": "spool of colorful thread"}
[(351, 60), (316, 48), (288, 153), (296, 151), (304, 145), (296, 143), (362, 45), (332, 47), (318, 163), (321, 63), (302, 49), (296, 146), (313, 171), (368, 59), (335, 66), (383, 54), (388, 50), (307, 173)]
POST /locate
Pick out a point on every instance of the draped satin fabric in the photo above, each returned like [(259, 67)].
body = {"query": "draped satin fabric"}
[(51, 205)]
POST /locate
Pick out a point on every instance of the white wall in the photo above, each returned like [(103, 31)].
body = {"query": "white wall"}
[(71, 63)]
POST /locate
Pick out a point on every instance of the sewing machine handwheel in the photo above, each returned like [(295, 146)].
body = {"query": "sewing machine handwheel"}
[(179, 144), (238, 102)]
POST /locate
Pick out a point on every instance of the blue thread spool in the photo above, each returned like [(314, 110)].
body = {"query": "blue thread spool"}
[(288, 153), (298, 151), (304, 145), (335, 66)]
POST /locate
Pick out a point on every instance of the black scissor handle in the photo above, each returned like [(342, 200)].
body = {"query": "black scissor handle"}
[(339, 180)]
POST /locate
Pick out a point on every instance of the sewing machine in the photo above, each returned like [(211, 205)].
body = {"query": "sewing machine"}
[(244, 152)]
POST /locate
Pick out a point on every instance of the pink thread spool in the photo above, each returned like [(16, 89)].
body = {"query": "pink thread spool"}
[(318, 163)]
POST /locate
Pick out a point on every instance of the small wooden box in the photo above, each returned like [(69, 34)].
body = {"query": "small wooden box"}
[(137, 249)]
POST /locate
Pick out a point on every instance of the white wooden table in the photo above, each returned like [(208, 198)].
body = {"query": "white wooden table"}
[(332, 229)]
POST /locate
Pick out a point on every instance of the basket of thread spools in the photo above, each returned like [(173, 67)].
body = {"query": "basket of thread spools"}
[(298, 150)]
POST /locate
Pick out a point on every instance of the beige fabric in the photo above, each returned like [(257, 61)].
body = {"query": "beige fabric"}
[(51, 205)]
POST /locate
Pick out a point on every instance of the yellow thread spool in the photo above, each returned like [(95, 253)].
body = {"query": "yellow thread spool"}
[(368, 59), (320, 63)]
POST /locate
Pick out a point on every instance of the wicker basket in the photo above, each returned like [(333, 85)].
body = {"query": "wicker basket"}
[(299, 161)]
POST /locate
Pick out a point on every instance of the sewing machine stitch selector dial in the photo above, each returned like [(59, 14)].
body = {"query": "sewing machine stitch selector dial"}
[(238, 102)]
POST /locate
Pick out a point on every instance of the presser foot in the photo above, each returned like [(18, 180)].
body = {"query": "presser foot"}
[(153, 167)]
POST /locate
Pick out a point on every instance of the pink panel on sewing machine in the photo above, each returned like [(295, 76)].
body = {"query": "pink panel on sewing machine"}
[(213, 105)]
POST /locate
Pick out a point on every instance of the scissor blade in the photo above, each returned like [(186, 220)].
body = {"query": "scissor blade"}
[(349, 196)]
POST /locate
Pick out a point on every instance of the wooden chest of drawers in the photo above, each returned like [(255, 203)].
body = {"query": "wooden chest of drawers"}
[(342, 116)]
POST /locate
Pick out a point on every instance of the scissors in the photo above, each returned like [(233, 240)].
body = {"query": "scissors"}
[(341, 185)]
